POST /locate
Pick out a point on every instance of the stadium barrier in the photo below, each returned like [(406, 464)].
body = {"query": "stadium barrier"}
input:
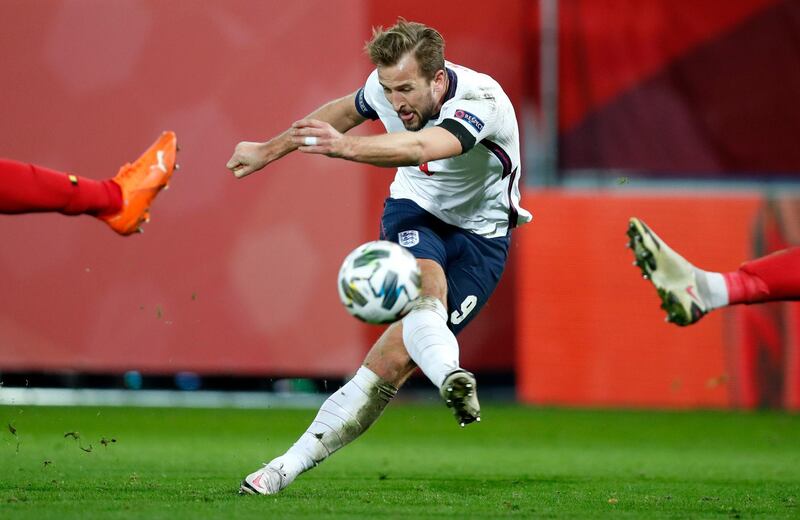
[(590, 330)]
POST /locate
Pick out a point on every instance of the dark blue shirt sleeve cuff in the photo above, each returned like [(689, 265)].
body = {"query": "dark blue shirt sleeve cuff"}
[(463, 135)]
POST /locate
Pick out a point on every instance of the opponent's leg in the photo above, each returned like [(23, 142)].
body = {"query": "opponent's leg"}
[(688, 293), (28, 188), (122, 202), (775, 277)]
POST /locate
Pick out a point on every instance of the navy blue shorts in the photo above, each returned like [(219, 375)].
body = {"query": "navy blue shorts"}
[(472, 263)]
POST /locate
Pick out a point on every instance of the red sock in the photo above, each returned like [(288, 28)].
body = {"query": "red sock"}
[(770, 278), (27, 188)]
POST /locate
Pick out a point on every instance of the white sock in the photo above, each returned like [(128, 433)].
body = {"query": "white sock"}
[(712, 288), (345, 415), (429, 342)]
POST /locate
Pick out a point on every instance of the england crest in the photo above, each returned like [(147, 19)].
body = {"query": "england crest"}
[(408, 238)]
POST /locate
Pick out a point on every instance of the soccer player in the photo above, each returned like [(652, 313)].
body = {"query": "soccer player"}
[(688, 293), (453, 137), (122, 202)]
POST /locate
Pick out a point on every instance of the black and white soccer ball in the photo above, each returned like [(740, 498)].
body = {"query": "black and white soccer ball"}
[(379, 281)]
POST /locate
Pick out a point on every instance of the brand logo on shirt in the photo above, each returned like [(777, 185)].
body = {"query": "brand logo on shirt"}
[(470, 118), (408, 238)]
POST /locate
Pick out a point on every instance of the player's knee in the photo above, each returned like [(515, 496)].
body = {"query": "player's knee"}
[(393, 367), (388, 358), (434, 281), (430, 303)]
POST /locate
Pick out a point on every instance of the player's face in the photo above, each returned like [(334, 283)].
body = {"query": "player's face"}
[(414, 97)]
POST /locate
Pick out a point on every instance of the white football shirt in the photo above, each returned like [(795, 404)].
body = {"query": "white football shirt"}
[(479, 189)]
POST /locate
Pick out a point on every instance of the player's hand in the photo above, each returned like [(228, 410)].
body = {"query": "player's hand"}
[(247, 158), (314, 136)]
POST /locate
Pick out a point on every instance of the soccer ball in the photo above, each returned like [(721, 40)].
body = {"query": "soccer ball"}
[(379, 281)]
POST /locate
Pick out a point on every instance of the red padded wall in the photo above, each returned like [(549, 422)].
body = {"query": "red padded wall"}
[(230, 276)]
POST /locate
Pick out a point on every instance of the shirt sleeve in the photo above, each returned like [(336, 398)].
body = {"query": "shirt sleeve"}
[(469, 120), (365, 100)]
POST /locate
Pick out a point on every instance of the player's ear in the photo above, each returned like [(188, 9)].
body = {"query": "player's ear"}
[(439, 84)]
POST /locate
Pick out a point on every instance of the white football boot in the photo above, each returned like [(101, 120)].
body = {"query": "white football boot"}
[(268, 480), (459, 391), (673, 276)]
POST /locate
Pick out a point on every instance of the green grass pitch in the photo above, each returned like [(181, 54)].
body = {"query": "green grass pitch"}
[(414, 463)]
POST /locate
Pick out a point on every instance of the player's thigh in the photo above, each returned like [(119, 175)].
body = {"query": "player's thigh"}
[(473, 272)]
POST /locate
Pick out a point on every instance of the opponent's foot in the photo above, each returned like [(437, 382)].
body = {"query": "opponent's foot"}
[(266, 481), (673, 276), (459, 392), (140, 182)]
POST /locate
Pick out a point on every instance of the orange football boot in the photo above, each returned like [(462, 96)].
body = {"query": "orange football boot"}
[(141, 181)]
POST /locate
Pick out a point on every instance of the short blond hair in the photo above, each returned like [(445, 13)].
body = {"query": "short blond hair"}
[(387, 46)]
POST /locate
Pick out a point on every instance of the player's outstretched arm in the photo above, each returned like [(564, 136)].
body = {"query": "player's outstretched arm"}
[(391, 150), (249, 157)]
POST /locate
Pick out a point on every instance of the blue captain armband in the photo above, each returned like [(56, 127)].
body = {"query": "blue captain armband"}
[(363, 107)]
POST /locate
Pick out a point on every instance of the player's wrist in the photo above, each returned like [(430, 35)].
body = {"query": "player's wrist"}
[(274, 149), (347, 147)]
